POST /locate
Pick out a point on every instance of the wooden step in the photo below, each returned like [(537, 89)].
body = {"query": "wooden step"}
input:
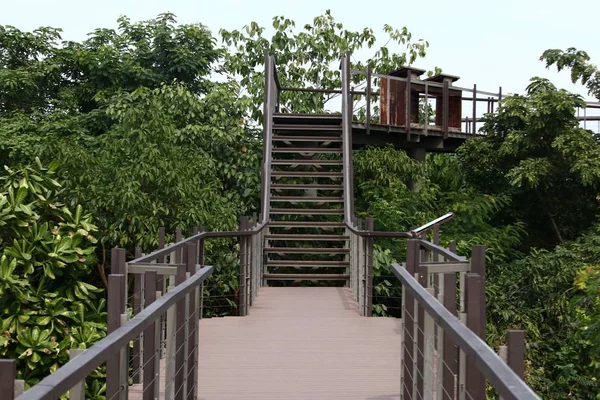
[(306, 127), (307, 277), (307, 174), (306, 224), (310, 236), (308, 118), (305, 250), (283, 138), (307, 263), (294, 150), (305, 186), (306, 199), (307, 162), (306, 211)]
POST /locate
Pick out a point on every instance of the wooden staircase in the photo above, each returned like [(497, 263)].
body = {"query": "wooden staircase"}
[(307, 240)]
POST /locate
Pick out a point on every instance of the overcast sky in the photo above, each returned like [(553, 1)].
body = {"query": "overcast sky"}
[(489, 42)]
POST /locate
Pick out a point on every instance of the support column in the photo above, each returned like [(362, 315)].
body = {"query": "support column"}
[(417, 154)]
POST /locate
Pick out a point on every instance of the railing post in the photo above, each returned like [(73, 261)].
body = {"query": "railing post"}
[(151, 350), (408, 322), (369, 269), (359, 271), (449, 353), (115, 308), (180, 337), (516, 351), (368, 122), (408, 106), (161, 244), (8, 375), (474, 109), (243, 267), (475, 381), (201, 264), (136, 357), (77, 392), (423, 278), (445, 107), (192, 336)]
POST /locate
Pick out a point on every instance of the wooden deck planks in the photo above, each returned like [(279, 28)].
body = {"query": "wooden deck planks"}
[(298, 344)]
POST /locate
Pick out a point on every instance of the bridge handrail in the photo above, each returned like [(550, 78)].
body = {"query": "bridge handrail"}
[(194, 238), (508, 384), (76, 370)]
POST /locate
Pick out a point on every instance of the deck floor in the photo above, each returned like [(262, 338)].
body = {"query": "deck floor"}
[(300, 343)]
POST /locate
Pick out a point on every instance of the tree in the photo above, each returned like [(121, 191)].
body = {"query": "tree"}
[(535, 152), (310, 58), (578, 62)]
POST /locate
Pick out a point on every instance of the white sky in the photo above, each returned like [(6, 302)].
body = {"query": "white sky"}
[(489, 42)]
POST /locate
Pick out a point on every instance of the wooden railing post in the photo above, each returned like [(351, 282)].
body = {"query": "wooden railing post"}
[(192, 329), (77, 392), (138, 295), (369, 270), (516, 351), (115, 370), (243, 268), (8, 375), (449, 353), (409, 364), (151, 350), (200, 261), (180, 335), (445, 107), (475, 381)]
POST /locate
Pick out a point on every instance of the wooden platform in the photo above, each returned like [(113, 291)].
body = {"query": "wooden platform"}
[(297, 344), (300, 343)]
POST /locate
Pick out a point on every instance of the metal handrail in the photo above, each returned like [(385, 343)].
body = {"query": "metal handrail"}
[(508, 384), (76, 370), (201, 235), (426, 227)]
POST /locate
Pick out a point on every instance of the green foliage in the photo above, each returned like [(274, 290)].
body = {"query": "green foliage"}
[(535, 153), (310, 57), (36, 74), (538, 294), (140, 137), (578, 62), (587, 302), (46, 257)]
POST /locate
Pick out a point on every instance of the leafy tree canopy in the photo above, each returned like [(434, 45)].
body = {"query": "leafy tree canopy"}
[(535, 152), (578, 61), (309, 57)]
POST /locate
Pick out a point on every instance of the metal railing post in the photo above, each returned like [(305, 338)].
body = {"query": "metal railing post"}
[(77, 392), (408, 348), (243, 267), (8, 375), (515, 344), (151, 350), (115, 308), (180, 337), (449, 352), (136, 356), (192, 329), (369, 270), (475, 381)]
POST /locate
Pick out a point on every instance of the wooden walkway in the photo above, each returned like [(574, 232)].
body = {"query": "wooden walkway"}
[(300, 343)]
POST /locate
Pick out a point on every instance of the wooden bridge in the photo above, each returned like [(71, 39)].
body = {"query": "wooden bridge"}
[(305, 293)]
